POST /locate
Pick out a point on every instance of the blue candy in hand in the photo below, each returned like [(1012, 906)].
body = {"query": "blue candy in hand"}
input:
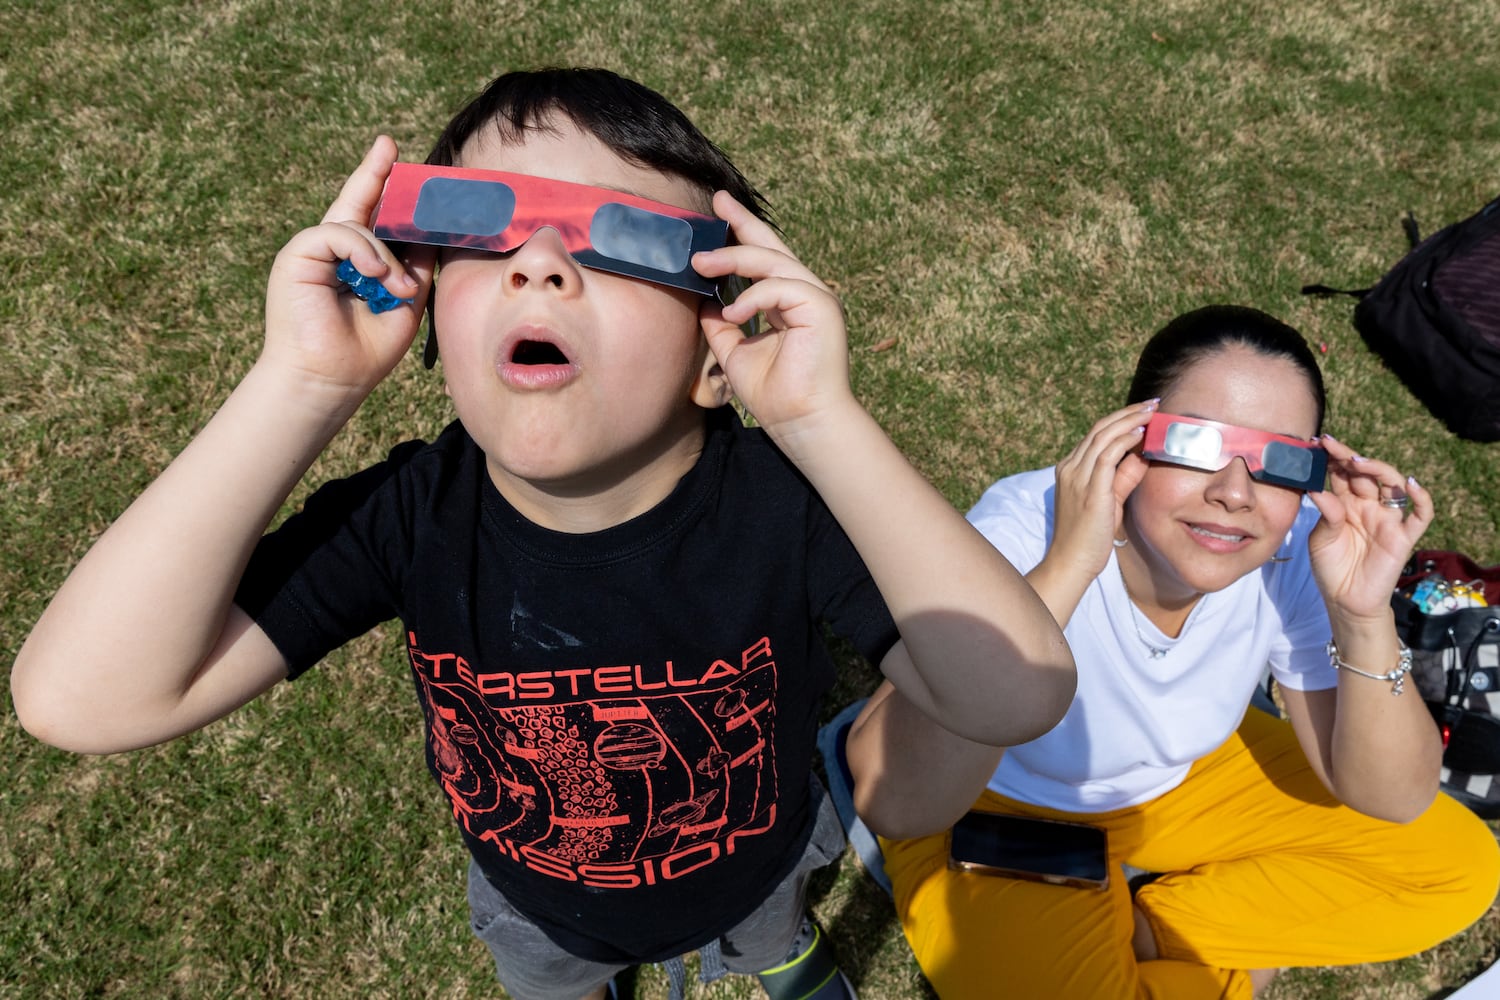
[(368, 289)]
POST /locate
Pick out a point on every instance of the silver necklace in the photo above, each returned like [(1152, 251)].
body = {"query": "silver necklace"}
[(1157, 652)]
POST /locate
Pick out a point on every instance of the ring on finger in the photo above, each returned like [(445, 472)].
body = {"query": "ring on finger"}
[(1396, 501)]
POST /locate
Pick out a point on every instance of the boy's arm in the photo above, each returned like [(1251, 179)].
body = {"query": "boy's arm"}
[(143, 641), (911, 777), (979, 652)]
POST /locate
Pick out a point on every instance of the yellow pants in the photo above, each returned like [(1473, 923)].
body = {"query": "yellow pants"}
[(1263, 869)]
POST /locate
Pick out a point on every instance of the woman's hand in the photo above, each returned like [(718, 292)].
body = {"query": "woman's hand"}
[(316, 327), (1366, 533), (1093, 481)]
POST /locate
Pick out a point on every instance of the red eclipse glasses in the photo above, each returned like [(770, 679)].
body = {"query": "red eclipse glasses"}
[(1210, 446), (498, 211)]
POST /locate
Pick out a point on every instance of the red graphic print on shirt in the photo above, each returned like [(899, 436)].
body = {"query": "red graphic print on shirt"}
[(614, 776)]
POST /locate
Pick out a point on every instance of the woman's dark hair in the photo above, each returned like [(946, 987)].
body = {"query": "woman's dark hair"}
[(634, 121), (1195, 335)]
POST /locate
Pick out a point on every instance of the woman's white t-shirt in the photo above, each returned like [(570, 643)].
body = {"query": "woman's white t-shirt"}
[(1138, 723)]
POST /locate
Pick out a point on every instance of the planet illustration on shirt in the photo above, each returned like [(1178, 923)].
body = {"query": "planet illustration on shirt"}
[(682, 813), (629, 746)]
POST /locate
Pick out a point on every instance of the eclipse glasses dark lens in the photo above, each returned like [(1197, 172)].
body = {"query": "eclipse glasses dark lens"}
[(497, 211), (1210, 446)]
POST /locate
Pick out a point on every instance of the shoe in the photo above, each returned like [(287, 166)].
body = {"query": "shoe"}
[(811, 972)]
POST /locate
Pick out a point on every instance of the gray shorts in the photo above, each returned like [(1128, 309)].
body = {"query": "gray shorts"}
[(532, 967)]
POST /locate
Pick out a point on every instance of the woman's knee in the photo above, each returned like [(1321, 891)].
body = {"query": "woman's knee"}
[(1453, 860)]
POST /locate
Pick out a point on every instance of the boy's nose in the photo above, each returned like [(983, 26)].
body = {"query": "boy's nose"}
[(543, 263)]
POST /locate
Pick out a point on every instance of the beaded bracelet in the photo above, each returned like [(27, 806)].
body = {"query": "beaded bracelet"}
[(1397, 676)]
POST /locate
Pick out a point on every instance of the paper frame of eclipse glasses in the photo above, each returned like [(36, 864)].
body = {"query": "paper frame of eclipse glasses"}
[(1210, 446), (601, 229)]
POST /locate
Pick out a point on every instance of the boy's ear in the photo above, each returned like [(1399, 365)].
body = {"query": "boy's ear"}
[(711, 389)]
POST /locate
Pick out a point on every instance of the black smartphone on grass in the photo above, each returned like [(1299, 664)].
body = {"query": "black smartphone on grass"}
[(1039, 850)]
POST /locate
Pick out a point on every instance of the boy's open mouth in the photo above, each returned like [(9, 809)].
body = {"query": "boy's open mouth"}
[(537, 352)]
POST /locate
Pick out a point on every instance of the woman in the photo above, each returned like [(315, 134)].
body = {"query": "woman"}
[(1184, 544)]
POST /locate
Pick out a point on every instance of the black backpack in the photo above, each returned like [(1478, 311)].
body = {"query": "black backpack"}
[(1434, 318)]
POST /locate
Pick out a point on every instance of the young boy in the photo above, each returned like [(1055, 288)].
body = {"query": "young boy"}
[(612, 592)]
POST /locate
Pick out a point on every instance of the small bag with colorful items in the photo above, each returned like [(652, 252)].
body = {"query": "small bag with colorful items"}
[(1448, 611)]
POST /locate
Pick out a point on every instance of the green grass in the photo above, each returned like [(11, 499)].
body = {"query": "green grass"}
[(1009, 196)]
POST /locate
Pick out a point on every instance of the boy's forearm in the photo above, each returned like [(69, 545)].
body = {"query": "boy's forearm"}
[(911, 776), (128, 633), (987, 658)]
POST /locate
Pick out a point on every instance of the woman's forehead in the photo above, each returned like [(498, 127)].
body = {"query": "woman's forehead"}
[(1245, 387)]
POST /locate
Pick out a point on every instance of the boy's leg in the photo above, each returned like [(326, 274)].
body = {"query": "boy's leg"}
[(1267, 869), (528, 963), (980, 936), (810, 972), (778, 943)]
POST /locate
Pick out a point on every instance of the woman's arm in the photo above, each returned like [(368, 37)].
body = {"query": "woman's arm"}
[(1378, 752)]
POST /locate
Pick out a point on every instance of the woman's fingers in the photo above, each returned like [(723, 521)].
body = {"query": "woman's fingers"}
[(1357, 478), (1112, 438)]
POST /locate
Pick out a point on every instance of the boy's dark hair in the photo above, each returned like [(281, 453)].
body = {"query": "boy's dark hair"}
[(634, 121), (1195, 335)]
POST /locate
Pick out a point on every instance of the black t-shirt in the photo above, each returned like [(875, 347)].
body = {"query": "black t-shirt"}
[(623, 721)]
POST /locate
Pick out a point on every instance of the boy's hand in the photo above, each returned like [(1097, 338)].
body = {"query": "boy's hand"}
[(317, 328), (798, 369)]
